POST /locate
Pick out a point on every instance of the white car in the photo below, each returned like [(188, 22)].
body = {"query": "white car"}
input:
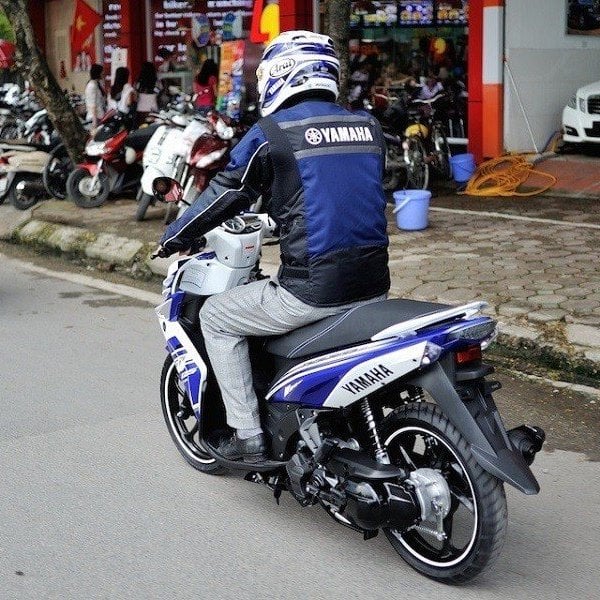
[(581, 116)]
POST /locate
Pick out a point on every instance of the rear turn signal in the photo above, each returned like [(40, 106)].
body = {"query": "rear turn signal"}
[(468, 355)]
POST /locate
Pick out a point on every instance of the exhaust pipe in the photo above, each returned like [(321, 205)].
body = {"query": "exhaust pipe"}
[(527, 440)]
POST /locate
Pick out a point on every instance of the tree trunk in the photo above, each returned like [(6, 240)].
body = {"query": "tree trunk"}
[(33, 66), (337, 26)]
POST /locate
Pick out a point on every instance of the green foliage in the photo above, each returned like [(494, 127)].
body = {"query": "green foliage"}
[(6, 30)]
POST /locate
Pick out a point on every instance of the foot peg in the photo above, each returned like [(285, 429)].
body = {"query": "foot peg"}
[(528, 440)]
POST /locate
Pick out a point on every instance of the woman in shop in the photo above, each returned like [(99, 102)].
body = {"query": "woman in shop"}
[(95, 96), (147, 92), (205, 86), (122, 95)]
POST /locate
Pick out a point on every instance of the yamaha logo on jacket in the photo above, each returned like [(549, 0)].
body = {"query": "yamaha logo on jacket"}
[(319, 169)]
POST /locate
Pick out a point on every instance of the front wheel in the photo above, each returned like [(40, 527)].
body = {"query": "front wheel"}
[(182, 423), (420, 436), (86, 191), (441, 152), (417, 169), (143, 204)]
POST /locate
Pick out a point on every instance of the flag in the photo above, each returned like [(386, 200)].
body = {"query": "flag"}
[(84, 23)]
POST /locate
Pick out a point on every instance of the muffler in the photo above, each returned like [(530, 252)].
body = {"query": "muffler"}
[(528, 440)]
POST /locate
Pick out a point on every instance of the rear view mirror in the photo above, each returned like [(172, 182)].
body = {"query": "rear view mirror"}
[(166, 189)]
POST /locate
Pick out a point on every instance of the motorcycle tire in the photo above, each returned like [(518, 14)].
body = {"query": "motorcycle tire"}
[(143, 204), (442, 153), (417, 170), (419, 435), (19, 199), (391, 177), (181, 421), (57, 171), (76, 185), (10, 131)]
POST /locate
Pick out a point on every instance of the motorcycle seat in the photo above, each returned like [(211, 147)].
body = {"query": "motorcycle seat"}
[(139, 138), (349, 328)]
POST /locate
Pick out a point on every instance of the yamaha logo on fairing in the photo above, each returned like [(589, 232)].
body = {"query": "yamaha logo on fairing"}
[(366, 380), (332, 135), (282, 67)]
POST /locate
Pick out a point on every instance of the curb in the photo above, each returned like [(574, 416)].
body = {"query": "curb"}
[(521, 341)]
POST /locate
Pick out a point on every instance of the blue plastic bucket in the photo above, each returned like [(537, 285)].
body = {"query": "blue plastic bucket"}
[(463, 167), (411, 209)]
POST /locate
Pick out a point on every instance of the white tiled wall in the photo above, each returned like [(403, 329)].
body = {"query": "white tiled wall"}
[(547, 66)]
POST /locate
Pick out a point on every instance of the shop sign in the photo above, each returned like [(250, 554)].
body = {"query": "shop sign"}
[(410, 13), (175, 23), (111, 32)]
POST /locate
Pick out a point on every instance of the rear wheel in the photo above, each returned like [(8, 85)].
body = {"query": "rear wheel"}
[(18, 194), (56, 172), (85, 191), (417, 170), (182, 423), (418, 435)]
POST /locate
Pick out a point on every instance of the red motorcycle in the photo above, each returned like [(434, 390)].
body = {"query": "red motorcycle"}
[(208, 155), (113, 161)]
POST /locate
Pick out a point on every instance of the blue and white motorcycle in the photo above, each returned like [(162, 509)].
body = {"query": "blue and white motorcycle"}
[(382, 414)]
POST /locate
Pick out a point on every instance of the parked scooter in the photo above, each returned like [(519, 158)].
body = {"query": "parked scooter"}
[(212, 139), (113, 161), (22, 162), (164, 155), (383, 415)]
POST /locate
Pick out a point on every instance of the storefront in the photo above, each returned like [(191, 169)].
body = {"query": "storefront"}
[(400, 32), (176, 35)]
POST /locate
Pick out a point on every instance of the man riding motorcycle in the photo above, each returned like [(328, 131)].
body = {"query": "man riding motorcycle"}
[(319, 170)]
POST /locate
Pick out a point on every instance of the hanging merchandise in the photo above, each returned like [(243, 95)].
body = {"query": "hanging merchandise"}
[(231, 80)]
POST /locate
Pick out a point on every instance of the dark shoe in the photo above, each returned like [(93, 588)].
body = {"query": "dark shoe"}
[(252, 450)]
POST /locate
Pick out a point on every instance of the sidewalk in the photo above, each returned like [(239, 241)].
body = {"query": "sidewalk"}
[(535, 260)]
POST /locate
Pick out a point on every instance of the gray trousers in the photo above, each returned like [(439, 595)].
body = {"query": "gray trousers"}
[(260, 308)]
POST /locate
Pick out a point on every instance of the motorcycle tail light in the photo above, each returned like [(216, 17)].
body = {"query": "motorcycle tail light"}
[(468, 355), (484, 332)]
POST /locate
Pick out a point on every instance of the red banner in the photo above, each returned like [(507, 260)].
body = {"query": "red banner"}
[(7, 51)]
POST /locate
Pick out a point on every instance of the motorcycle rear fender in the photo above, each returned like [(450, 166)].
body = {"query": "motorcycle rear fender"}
[(480, 424)]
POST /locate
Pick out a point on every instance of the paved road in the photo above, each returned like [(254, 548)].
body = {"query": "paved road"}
[(95, 502)]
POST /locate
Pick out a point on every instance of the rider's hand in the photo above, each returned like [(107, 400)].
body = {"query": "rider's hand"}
[(160, 252)]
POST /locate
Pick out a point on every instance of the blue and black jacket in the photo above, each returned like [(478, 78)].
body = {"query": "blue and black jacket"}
[(319, 169)]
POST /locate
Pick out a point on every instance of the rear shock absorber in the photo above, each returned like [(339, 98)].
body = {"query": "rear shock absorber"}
[(380, 452)]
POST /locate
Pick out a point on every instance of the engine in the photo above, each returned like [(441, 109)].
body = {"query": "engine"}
[(365, 494)]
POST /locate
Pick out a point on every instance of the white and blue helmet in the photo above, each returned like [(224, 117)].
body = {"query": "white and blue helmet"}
[(293, 63)]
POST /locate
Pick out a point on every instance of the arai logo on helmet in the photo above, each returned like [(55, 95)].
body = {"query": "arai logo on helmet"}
[(282, 67)]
